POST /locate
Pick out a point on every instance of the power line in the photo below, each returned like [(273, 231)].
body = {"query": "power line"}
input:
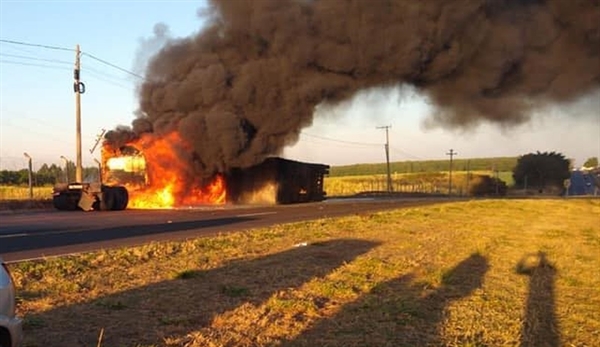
[(72, 50), (99, 74), (405, 153), (35, 58), (32, 64), (37, 45), (112, 65), (340, 141), (100, 77)]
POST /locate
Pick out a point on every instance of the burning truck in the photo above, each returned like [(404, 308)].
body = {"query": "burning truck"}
[(128, 179)]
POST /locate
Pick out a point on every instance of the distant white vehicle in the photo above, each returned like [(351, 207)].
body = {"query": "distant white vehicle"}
[(11, 327)]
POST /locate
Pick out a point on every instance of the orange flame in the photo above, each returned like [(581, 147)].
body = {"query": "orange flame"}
[(169, 182)]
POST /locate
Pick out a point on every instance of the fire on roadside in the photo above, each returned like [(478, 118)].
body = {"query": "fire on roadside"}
[(156, 177)]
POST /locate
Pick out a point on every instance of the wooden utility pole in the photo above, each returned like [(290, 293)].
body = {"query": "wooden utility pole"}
[(452, 153), (78, 88), (468, 176), (387, 156)]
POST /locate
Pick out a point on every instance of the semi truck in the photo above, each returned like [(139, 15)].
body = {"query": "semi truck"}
[(104, 193), (274, 181), (89, 196)]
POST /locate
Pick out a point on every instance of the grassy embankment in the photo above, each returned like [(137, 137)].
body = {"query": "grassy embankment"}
[(475, 273)]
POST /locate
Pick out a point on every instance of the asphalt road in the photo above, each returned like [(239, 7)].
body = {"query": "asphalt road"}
[(34, 234)]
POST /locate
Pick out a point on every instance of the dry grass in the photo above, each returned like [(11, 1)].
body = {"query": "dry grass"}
[(421, 182), (22, 193), (476, 273)]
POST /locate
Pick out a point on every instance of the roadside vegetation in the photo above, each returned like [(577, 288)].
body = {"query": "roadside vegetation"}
[(500, 164), (22, 192), (471, 183), (472, 273)]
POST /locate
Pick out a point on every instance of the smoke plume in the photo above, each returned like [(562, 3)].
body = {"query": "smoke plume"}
[(244, 87)]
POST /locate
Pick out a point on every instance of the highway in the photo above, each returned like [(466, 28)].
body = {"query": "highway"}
[(34, 234)]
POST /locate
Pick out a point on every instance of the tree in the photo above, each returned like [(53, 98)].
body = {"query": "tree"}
[(541, 170), (486, 185), (591, 162)]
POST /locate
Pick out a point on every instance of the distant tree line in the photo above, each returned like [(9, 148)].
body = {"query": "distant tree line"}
[(501, 164), (45, 175), (534, 171)]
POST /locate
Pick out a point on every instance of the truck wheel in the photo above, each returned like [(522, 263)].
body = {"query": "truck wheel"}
[(65, 202), (123, 199), (108, 199), (59, 202)]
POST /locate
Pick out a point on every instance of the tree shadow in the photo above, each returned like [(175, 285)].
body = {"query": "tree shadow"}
[(400, 312), (540, 326), (149, 314)]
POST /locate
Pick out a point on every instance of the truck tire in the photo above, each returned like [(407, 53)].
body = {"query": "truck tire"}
[(121, 198), (59, 202), (65, 202), (108, 199)]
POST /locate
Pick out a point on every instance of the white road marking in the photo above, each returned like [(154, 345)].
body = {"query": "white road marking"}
[(255, 214), (13, 235)]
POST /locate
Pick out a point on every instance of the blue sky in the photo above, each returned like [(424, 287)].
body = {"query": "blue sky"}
[(37, 113)]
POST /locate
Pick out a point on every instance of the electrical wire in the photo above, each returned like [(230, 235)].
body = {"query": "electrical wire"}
[(340, 141), (100, 77), (37, 45), (83, 53), (112, 65), (406, 153), (32, 64), (35, 58)]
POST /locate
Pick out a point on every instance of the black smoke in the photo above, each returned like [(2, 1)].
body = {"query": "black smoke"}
[(244, 86)]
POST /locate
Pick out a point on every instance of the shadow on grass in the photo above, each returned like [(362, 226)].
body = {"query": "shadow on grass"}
[(146, 315), (540, 327), (400, 312)]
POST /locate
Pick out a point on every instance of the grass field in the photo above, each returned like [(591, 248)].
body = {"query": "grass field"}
[(422, 182), (22, 193), (473, 273)]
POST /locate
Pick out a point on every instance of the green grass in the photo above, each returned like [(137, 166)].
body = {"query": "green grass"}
[(502, 164), (473, 273)]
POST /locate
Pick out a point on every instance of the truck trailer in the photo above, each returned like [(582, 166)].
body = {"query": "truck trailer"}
[(274, 181), (277, 180)]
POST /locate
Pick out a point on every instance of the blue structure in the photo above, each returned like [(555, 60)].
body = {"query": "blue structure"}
[(584, 183)]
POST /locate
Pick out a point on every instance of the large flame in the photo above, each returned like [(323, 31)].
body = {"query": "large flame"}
[(165, 184)]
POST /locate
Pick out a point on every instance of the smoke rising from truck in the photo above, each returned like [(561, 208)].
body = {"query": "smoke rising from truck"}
[(242, 88)]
